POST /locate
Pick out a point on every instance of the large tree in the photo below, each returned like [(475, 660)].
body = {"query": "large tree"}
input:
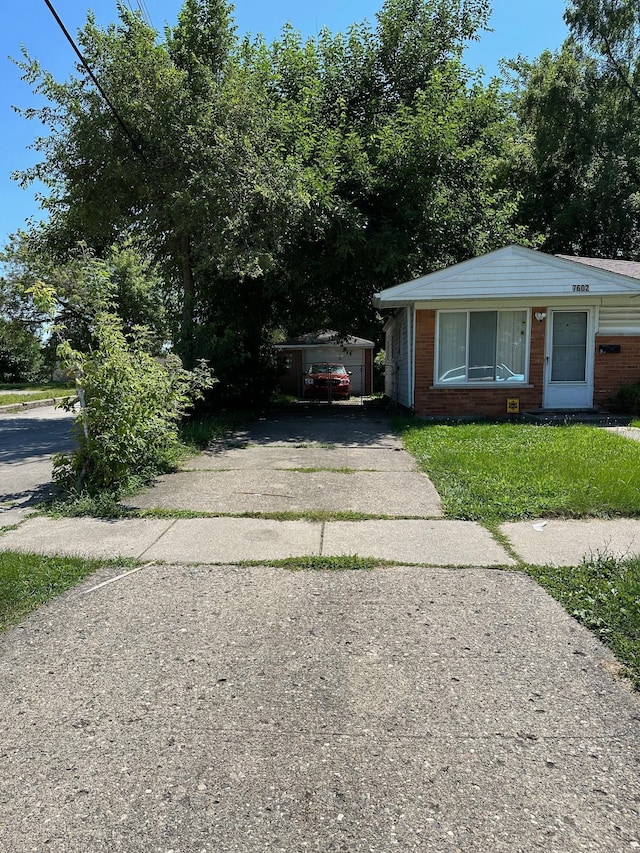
[(280, 185), (124, 280), (580, 109), (406, 152), (610, 31)]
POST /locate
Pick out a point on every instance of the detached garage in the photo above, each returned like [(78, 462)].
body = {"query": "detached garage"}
[(298, 354), (514, 330)]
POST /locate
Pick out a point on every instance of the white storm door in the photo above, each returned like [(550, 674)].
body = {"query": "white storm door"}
[(569, 360)]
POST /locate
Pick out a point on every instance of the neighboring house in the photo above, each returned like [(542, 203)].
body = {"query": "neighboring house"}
[(298, 354), (514, 330)]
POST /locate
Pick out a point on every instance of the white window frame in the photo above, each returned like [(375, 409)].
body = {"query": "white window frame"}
[(471, 383)]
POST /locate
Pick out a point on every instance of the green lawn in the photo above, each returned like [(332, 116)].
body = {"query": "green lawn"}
[(28, 580), (501, 472), (23, 392)]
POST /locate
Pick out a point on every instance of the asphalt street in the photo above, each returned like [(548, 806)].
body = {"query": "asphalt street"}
[(28, 440)]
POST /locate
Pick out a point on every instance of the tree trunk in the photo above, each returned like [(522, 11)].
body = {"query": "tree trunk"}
[(188, 305)]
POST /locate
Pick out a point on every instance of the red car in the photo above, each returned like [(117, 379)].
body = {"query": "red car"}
[(324, 379)]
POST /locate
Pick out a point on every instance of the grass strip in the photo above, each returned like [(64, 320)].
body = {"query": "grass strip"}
[(323, 470), (107, 507), (511, 471), (24, 392), (346, 562), (28, 580), (18, 399), (603, 594)]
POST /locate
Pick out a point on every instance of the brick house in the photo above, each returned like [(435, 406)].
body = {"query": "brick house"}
[(514, 330)]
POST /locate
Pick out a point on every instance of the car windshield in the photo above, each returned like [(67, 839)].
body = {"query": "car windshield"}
[(327, 368)]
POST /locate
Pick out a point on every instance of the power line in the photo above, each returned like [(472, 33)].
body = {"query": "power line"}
[(85, 64), (142, 5)]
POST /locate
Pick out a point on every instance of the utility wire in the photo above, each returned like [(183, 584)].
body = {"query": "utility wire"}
[(125, 129), (142, 8), (142, 5)]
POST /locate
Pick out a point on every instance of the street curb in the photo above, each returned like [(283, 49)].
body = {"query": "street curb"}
[(33, 404)]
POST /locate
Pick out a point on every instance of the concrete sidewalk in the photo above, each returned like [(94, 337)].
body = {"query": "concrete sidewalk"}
[(232, 540), (235, 710), (186, 707), (434, 542)]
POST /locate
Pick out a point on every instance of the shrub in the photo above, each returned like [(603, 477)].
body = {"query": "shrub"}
[(130, 403), (627, 400)]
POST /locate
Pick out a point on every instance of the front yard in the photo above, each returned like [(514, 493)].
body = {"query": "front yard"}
[(504, 472), (485, 472)]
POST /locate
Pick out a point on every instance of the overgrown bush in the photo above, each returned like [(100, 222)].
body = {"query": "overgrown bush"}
[(130, 406)]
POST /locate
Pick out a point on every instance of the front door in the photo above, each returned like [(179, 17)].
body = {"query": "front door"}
[(569, 360)]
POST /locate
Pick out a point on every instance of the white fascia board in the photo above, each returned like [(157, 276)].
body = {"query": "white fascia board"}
[(579, 300)]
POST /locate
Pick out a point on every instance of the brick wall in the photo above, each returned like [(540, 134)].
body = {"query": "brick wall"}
[(488, 402), (613, 370)]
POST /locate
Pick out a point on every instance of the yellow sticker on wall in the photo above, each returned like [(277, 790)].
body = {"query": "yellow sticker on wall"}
[(513, 405)]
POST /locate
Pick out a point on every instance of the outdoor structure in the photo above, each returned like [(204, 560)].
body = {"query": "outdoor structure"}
[(298, 354), (513, 331)]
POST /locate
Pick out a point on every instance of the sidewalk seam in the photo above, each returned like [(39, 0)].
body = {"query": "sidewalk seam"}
[(155, 542), (322, 527)]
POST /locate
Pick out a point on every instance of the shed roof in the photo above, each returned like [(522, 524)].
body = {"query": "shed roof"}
[(324, 338), (517, 272)]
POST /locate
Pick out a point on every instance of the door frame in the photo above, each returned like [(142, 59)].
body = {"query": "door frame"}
[(577, 395)]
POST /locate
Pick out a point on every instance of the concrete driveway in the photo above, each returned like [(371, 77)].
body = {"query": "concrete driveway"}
[(189, 708)]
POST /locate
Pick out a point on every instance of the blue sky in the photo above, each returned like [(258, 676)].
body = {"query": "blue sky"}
[(519, 27)]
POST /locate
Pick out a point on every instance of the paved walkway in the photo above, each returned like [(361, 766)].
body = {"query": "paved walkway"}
[(179, 708)]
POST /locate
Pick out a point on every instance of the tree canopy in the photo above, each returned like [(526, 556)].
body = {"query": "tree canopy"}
[(274, 187), (580, 109)]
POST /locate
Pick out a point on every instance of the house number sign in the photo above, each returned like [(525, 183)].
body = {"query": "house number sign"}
[(580, 288)]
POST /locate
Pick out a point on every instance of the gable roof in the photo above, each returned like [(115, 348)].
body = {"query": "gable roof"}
[(324, 338), (628, 268), (516, 272)]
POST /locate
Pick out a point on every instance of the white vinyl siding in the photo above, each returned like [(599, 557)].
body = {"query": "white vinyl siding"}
[(481, 347), (512, 273), (397, 370), (619, 321)]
